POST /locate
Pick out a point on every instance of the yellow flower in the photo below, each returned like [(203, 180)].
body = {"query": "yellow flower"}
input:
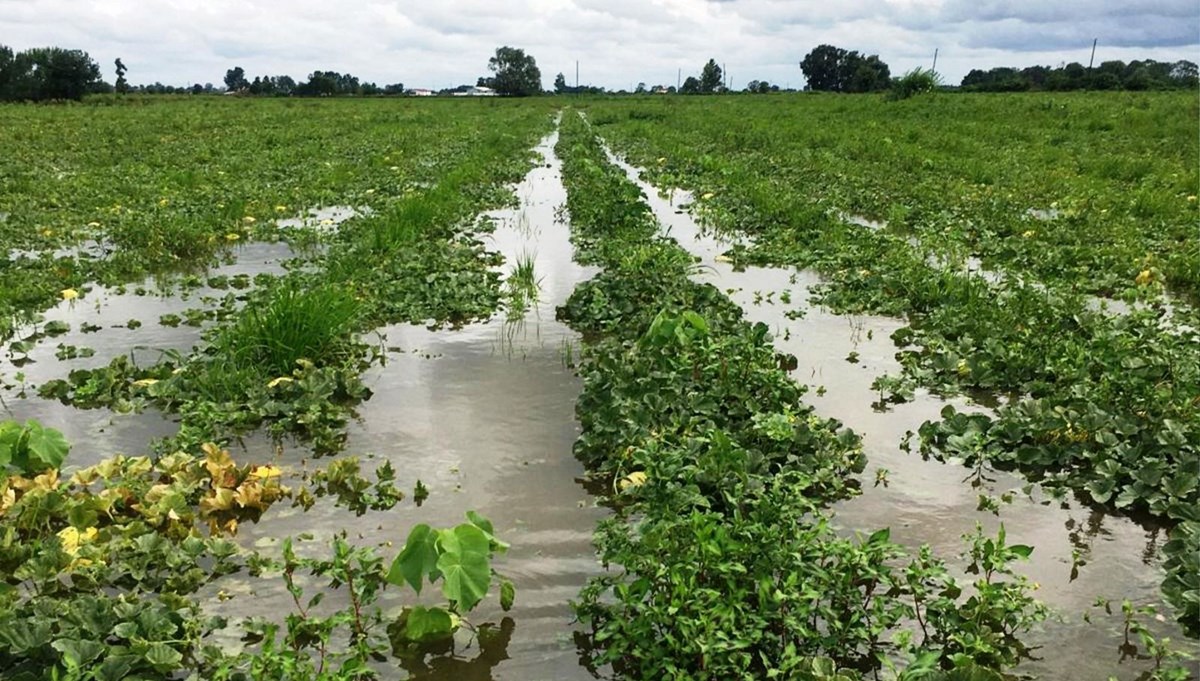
[(232, 236), (163, 202), (249, 220), (69, 294), (1143, 278), (1192, 198), (1029, 234), (708, 196), (280, 209), (662, 160), (47, 232), (635, 479), (278, 381)]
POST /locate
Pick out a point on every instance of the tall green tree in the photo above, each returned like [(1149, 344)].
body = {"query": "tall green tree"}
[(822, 68), (832, 69), (560, 84), (235, 79), (711, 77), (48, 73), (516, 73), (122, 85)]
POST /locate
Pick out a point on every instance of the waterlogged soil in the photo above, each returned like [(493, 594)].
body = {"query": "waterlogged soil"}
[(927, 502), (106, 323), (484, 417)]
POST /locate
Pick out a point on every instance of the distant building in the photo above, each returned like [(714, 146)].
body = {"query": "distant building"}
[(476, 91), (420, 92)]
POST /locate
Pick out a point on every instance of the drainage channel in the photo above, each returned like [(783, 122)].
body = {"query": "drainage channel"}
[(484, 417), (1080, 553)]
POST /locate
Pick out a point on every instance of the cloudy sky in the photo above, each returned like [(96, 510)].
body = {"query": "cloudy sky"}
[(618, 43)]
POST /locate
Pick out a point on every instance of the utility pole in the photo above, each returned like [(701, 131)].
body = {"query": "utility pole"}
[(1093, 59), (935, 54), (678, 79), (576, 74)]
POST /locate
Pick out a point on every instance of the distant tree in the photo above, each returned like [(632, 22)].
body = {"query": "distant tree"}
[(691, 86), (197, 89), (640, 90), (822, 68), (516, 73), (1185, 73), (48, 73), (122, 85), (560, 84), (760, 87), (832, 69), (864, 74), (394, 89), (711, 77), (235, 79)]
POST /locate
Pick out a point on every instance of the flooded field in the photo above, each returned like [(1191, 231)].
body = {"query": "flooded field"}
[(1081, 554), (681, 460)]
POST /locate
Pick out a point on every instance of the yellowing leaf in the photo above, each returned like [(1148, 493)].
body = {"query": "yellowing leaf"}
[(634, 479), (69, 294), (279, 381), (264, 472)]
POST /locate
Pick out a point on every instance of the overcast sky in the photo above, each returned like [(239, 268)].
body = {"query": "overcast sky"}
[(618, 43)]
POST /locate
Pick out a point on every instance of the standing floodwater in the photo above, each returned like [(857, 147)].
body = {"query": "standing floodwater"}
[(1080, 553), (484, 417)]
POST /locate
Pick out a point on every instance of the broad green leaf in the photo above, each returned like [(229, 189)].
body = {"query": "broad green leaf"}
[(418, 558), (1021, 550), (478, 520), (428, 624), (163, 657), (880, 536), (466, 573), (47, 447), (77, 653)]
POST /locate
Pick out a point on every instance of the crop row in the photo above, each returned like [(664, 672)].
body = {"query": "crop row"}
[(108, 574), (291, 356), (1104, 403), (725, 564), (110, 195)]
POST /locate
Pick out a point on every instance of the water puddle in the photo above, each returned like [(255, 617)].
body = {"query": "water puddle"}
[(484, 417), (108, 322), (926, 502), (328, 218)]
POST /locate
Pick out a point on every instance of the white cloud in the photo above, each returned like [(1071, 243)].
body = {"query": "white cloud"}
[(617, 42)]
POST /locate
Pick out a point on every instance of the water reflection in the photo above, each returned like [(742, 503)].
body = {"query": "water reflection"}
[(444, 661)]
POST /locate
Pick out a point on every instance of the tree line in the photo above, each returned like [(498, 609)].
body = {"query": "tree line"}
[(48, 73), (51, 73), (832, 69), (1110, 75)]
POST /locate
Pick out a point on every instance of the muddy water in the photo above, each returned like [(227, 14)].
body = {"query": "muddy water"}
[(926, 502), (484, 417), (100, 321)]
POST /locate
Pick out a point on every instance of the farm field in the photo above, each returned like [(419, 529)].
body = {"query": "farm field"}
[(805, 387)]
